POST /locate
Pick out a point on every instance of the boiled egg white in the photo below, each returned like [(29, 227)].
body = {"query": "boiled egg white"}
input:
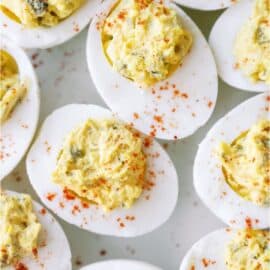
[(47, 37), (209, 252), (151, 210), (222, 40), (17, 131), (209, 180), (206, 4), (190, 92), (120, 265), (53, 251)]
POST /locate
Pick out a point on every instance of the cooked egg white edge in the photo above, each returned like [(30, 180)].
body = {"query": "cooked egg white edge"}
[(222, 39), (211, 247), (149, 214), (17, 131), (209, 181), (120, 265), (42, 37), (205, 4), (56, 253), (197, 77)]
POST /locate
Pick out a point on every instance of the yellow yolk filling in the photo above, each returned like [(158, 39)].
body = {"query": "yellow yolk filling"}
[(252, 47), (33, 13), (19, 229), (11, 89), (249, 250), (102, 162), (144, 40), (246, 163)]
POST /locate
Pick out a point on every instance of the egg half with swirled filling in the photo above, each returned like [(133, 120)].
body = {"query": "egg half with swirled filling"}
[(151, 53), (234, 182), (230, 249), (100, 174), (44, 23), (30, 238), (19, 105), (240, 40)]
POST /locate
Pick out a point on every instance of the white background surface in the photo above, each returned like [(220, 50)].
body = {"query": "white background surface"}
[(64, 78)]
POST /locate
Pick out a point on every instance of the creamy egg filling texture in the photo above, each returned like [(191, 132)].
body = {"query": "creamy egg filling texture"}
[(252, 47), (249, 250), (12, 90), (102, 162), (19, 229), (246, 163), (33, 13), (144, 40)]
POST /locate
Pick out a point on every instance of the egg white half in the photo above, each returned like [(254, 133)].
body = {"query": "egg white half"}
[(182, 115), (209, 180), (120, 265), (152, 209), (54, 252), (222, 39), (209, 250), (17, 131), (47, 37), (205, 4)]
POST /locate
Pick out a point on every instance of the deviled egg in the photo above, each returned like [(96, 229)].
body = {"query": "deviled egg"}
[(120, 265), (240, 40), (231, 170), (230, 249), (30, 238), (100, 174), (44, 23), (19, 105), (150, 53), (206, 4)]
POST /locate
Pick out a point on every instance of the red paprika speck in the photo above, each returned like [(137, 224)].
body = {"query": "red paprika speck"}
[(248, 222), (205, 262), (176, 92), (268, 98), (61, 204), (122, 14), (35, 252), (20, 266), (75, 209), (147, 142), (51, 196), (43, 211), (122, 225), (85, 204), (210, 103), (184, 95), (68, 194), (136, 115), (158, 118)]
